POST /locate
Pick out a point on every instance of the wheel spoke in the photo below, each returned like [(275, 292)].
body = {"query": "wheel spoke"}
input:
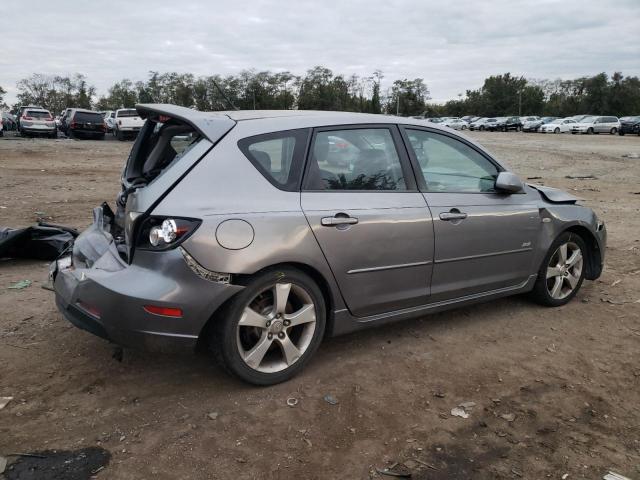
[(557, 287), (251, 318), (553, 272), (281, 296), (289, 350), (305, 315), (572, 280), (562, 254), (575, 257), (254, 357)]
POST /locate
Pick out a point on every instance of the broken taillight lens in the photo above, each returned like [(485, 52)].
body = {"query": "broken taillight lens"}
[(161, 233)]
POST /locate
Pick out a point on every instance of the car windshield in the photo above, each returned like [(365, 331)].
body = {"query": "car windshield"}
[(128, 113), (37, 114), (492, 120), (630, 119), (588, 119), (556, 120)]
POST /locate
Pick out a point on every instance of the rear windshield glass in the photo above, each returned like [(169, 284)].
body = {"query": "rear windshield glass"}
[(128, 113), (37, 114), (88, 117)]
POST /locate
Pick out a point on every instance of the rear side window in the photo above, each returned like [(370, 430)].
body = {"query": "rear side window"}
[(355, 159), (88, 117), (277, 156)]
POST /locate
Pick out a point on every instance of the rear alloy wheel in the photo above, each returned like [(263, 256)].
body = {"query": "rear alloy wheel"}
[(562, 272), (270, 329), (613, 131)]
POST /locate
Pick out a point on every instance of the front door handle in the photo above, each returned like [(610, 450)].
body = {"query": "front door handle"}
[(454, 214), (336, 221)]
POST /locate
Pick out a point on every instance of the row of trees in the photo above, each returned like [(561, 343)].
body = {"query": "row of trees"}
[(322, 89), (505, 94)]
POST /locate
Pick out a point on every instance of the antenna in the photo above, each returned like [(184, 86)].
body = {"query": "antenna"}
[(225, 97)]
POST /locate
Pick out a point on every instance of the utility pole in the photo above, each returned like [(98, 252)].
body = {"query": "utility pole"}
[(398, 105), (519, 103)]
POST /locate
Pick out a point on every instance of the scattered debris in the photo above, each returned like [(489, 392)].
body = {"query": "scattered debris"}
[(308, 442), (581, 177), (459, 412), (292, 401), (212, 415), (3, 464), (390, 473), (19, 285), (41, 242), (56, 464), (439, 394), (4, 401), (614, 476), (631, 155), (534, 178), (509, 417), (616, 282), (330, 399), (564, 476)]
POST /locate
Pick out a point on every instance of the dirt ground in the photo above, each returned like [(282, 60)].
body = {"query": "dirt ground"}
[(556, 391)]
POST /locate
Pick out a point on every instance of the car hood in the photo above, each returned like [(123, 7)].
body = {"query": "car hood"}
[(554, 195)]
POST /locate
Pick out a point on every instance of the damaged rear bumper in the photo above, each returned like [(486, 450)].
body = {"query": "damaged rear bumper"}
[(99, 292)]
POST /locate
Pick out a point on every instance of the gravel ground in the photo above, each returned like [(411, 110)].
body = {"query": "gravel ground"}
[(556, 391)]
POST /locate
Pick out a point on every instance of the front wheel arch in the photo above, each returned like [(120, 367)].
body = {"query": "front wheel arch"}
[(594, 258)]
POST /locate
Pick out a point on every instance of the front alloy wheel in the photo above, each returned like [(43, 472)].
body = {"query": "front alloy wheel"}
[(564, 270), (270, 329)]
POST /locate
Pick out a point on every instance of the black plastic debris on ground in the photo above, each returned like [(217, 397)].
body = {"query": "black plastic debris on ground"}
[(41, 242), (59, 464)]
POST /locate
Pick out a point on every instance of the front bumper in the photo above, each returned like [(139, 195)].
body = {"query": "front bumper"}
[(102, 294)]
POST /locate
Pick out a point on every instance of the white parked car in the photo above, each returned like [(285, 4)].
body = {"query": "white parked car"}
[(595, 124), (38, 121), (110, 120), (559, 125), (127, 123), (478, 124), (456, 124)]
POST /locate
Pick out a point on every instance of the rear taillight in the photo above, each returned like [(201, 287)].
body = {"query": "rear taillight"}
[(161, 233), (73, 125), (164, 311), (25, 117)]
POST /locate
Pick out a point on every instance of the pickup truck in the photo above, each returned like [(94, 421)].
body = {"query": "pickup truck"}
[(127, 123)]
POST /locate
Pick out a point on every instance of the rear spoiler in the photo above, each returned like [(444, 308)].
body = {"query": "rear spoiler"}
[(210, 125)]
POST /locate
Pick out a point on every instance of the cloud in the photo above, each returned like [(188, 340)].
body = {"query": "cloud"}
[(453, 46)]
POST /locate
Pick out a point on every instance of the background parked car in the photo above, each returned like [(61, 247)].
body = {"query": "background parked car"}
[(524, 120), (21, 111), (37, 121), (629, 125), (495, 124), (596, 124), (559, 125), (534, 125), (81, 123), (456, 124), (478, 124), (110, 120), (127, 123)]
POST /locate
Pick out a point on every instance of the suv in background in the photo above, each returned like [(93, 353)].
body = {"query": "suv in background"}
[(127, 123), (594, 124), (82, 123), (629, 125), (21, 111), (37, 121)]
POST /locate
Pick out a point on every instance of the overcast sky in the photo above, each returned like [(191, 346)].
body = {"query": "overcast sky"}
[(452, 45)]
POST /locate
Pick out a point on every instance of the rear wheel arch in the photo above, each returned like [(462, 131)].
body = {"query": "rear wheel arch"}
[(244, 279)]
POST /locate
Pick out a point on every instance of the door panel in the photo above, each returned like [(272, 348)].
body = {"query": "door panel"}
[(384, 261), (489, 249)]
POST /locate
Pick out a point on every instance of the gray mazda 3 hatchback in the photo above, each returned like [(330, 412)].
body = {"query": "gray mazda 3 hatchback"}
[(258, 233)]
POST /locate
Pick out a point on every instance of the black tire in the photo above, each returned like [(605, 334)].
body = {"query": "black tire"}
[(621, 133), (590, 131), (119, 135), (557, 130), (70, 134), (540, 292), (613, 131), (482, 128), (223, 339)]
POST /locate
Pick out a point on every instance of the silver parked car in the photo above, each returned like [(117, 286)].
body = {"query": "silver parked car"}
[(594, 124), (236, 231)]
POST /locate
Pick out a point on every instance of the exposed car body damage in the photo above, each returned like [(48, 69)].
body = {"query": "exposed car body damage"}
[(555, 195)]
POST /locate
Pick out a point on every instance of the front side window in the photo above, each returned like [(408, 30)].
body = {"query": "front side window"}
[(355, 159), (449, 165), (277, 156)]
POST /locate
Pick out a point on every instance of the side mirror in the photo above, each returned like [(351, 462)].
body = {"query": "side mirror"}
[(509, 183)]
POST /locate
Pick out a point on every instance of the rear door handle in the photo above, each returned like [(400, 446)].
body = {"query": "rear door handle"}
[(453, 215), (335, 221)]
